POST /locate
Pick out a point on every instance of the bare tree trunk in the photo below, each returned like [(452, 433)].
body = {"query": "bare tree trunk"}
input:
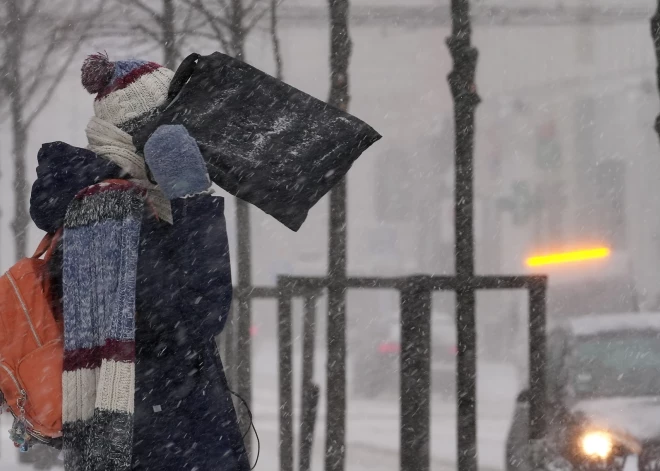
[(170, 49), (277, 53), (237, 29), (340, 53), (16, 33), (28, 90), (21, 215), (464, 92), (244, 241), (655, 35)]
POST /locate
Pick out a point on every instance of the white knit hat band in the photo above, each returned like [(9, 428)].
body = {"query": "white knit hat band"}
[(143, 95)]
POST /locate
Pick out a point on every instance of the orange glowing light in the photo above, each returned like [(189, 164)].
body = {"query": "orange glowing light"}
[(568, 257)]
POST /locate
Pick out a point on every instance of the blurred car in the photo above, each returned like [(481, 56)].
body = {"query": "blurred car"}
[(603, 395), (375, 357)]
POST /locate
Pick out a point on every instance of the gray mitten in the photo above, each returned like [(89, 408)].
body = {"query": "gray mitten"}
[(176, 162)]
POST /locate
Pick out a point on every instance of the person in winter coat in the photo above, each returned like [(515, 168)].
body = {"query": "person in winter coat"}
[(183, 416)]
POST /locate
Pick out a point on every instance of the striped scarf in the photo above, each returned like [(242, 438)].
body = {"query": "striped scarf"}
[(101, 241)]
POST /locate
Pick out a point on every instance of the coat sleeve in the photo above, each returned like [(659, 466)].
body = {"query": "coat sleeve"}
[(62, 171), (201, 253)]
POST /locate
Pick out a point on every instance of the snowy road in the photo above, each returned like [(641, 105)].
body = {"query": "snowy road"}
[(359, 457), (372, 425), (372, 436)]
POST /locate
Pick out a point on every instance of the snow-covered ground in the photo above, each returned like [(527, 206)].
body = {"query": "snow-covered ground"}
[(372, 425)]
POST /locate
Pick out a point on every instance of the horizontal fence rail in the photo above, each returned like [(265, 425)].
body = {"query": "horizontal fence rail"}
[(415, 398)]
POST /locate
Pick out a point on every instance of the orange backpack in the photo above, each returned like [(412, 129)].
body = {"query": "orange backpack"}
[(31, 349)]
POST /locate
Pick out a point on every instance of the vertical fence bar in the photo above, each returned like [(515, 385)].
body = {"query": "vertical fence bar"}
[(309, 341), (655, 36), (309, 390), (466, 374), (243, 349), (307, 430), (415, 375), (335, 437), (464, 92), (228, 344), (285, 378), (537, 357), (243, 346), (335, 440)]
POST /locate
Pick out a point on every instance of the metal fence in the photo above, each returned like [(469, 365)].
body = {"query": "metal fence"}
[(415, 398), (415, 297)]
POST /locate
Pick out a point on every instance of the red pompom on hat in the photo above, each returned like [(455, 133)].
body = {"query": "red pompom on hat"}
[(97, 72)]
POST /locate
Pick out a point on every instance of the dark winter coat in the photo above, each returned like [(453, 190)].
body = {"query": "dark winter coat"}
[(184, 415)]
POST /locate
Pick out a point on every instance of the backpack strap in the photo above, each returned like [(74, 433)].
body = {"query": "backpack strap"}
[(47, 244), (43, 246)]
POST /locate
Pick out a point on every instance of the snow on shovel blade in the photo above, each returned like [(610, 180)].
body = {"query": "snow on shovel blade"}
[(264, 141)]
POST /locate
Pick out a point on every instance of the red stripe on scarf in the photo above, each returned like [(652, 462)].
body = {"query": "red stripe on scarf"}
[(89, 358)]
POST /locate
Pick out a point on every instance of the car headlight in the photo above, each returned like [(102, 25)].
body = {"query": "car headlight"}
[(597, 444)]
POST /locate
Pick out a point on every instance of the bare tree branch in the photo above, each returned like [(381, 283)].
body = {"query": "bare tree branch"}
[(37, 72), (223, 5), (251, 24), (277, 53), (216, 20), (150, 11), (149, 33), (35, 32), (212, 37), (180, 37), (34, 7), (168, 27), (62, 69), (253, 5), (53, 85), (212, 22), (201, 7)]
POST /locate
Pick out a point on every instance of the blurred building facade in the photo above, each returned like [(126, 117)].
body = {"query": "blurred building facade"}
[(565, 149)]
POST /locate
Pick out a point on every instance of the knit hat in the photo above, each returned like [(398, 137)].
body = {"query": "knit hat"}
[(126, 90)]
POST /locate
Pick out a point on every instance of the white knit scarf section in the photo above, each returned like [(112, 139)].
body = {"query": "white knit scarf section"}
[(108, 141)]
